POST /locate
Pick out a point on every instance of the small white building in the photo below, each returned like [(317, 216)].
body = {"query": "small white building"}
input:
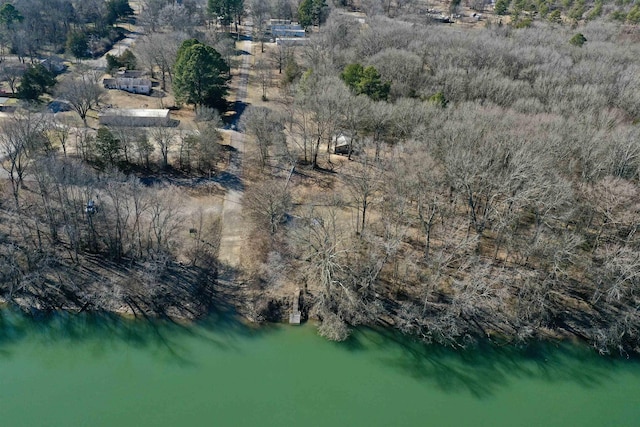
[(129, 84), (135, 117), (342, 143), (8, 105)]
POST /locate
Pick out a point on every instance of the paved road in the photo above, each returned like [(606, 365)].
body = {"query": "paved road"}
[(233, 228)]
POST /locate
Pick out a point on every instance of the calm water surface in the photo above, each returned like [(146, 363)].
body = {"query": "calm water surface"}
[(89, 371)]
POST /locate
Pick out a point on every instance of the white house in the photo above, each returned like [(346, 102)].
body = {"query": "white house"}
[(129, 84)]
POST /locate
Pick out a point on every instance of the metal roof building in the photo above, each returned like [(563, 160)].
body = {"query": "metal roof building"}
[(135, 117)]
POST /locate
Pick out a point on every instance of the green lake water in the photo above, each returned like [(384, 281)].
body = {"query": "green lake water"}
[(90, 371)]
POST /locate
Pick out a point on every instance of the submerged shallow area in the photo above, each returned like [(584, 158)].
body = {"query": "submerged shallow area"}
[(93, 370)]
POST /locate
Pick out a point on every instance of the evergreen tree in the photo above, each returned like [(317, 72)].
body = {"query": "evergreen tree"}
[(77, 44), (501, 7), (305, 13), (9, 14), (200, 75), (312, 12), (366, 81), (117, 9), (371, 85), (352, 74), (127, 60), (227, 11), (108, 147), (35, 82)]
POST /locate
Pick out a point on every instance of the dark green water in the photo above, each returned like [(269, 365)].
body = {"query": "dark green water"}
[(85, 371)]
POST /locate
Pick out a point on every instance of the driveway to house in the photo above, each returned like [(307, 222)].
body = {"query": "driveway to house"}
[(233, 227)]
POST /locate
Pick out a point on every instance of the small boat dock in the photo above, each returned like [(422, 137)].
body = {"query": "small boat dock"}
[(294, 317)]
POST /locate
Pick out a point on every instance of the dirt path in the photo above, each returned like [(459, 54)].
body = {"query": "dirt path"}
[(233, 228)]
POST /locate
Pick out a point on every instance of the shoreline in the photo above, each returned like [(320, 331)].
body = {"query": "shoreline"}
[(543, 335)]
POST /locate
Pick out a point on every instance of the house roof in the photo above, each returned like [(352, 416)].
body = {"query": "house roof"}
[(8, 101), (136, 112)]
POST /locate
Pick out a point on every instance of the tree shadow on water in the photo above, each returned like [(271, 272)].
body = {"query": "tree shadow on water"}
[(164, 339), (486, 367)]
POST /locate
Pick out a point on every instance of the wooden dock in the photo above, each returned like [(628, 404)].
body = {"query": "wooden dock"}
[(294, 317)]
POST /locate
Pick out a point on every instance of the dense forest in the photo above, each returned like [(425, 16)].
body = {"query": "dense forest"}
[(489, 185), (493, 189)]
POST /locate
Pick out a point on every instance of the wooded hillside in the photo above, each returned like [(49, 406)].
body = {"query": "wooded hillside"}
[(488, 182), (494, 192)]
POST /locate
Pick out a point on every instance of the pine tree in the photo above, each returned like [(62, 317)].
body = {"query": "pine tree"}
[(200, 75)]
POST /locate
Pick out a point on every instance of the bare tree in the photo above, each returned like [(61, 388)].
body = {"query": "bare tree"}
[(11, 73), (426, 187), (151, 13), (205, 231), (82, 93), (321, 244), (201, 148), (263, 72), (268, 203), (61, 132), (323, 99), (259, 11), (355, 116), (266, 126), (282, 9), (164, 139), (207, 148), (281, 55), (144, 149), (22, 137), (363, 184), (158, 52), (179, 17), (164, 218), (128, 136)]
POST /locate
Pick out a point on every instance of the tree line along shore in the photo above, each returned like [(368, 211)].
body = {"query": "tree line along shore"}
[(454, 181)]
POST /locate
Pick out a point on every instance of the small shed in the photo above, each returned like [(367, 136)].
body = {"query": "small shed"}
[(135, 117), (8, 105), (341, 144), (54, 64)]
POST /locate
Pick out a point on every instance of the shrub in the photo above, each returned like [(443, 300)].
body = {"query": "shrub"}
[(555, 17), (501, 7), (578, 40)]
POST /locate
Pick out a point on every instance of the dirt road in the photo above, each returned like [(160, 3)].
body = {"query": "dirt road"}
[(233, 228)]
